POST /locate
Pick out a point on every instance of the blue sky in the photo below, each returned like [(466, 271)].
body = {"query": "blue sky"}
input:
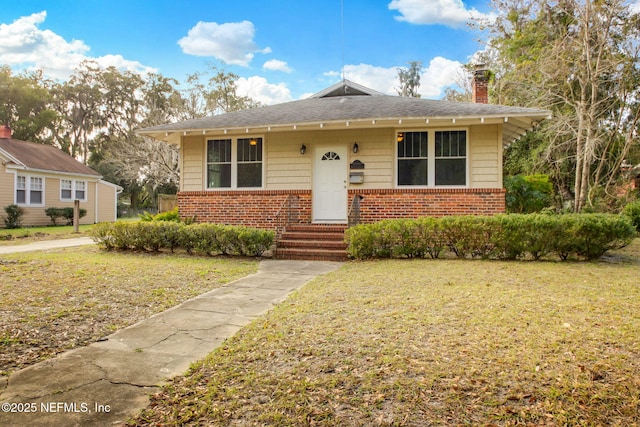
[(281, 49)]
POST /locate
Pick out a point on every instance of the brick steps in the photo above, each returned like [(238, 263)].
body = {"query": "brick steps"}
[(317, 242)]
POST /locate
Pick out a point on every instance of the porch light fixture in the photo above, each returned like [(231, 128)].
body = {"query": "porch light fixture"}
[(355, 147), (253, 141), (400, 136), (303, 149)]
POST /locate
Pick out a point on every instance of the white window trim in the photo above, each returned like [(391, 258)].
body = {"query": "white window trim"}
[(234, 163), (27, 196), (74, 189), (431, 158)]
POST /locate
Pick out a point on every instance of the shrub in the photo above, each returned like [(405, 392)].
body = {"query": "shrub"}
[(14, 216), (513, 236), (66, 213), (204, 239), (171, 215), (528, 194), (632, 210)]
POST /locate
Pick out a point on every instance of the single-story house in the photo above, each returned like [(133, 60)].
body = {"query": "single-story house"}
[(37, 176), (346, 154)]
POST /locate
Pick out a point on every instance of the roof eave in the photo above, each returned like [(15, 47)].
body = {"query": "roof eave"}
[(517, 125), (54, 172)]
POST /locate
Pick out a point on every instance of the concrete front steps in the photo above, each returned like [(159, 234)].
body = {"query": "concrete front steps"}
[(316, 242)]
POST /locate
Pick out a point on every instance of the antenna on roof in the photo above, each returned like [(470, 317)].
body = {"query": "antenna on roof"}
[(342, 34)]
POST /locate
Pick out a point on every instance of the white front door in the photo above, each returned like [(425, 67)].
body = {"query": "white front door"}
[(330, 185)]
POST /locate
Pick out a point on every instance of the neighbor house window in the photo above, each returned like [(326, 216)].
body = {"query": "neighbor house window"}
[(66, 189), (412, 158), (234, 163), (451, 157), (73, 190), (432, 158), (21, 190), (29, 190), (35, 190), (81, 190)]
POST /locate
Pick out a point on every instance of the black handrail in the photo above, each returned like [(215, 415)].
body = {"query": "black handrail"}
[(287, 214), (354, 210)]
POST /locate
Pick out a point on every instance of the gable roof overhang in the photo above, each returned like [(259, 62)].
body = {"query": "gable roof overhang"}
[(40, 158), (330, 110)]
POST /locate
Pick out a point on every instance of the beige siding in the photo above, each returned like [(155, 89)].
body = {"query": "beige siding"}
[(107, 208), (485, 155), (192, 164), (285, 168), (7, 182), (35, 215)]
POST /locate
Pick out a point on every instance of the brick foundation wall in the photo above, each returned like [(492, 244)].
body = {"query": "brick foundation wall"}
[(260, 208), (252, 208), (377, 205)]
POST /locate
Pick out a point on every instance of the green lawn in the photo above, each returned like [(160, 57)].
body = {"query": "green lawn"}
[(430, 342), (17, 236)]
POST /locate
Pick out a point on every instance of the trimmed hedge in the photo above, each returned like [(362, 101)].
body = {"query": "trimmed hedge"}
[(632, 210), (513, 236), (201, 239), (66, 213)]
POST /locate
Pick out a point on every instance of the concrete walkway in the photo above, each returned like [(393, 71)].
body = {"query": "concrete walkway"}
[(47, 244), (107, 382)]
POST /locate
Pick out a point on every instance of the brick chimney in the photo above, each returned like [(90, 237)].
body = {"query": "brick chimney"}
[(5, 132), (480, 85)]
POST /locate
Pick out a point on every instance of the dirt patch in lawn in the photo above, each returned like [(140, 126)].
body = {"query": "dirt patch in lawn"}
[(423, 343), (58, 300)]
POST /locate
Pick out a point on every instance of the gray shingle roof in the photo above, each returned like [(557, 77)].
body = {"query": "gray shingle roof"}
[(42, 157), (328, 107)]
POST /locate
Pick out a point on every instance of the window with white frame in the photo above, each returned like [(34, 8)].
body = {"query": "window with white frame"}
[(21, 190), (412, 158), (70, 189), (234, 163), (81, 190), (451, 157), (29, 190), (442, 162), (66, 189)]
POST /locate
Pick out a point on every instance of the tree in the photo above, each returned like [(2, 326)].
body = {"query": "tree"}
[(79, 103), (25, 105), (580, 59), (218, 95), (410, 80)]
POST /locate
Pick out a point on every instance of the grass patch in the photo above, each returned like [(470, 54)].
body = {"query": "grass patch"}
[(19, 236), (421, 343), (57, 300)]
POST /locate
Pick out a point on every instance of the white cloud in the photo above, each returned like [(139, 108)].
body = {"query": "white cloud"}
[(378, 78), (24, 45), (277, 65), (452, 13), (266, 93), (230, 42), (437, 76), (440, 74)]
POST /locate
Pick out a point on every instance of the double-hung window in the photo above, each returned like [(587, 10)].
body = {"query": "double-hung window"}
[(432, 158), (234, 163), (451, 157), (29, 190), (412, 158), (71, 189)]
